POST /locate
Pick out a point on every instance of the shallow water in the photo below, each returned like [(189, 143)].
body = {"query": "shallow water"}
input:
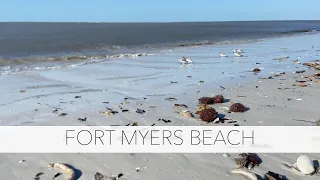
[(39, 46)]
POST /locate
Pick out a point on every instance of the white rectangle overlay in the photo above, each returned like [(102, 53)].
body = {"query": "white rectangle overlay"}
[(159, 139)]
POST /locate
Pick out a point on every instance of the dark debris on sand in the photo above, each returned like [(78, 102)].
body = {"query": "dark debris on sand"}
[(218, 99), (82, 119), (237, 107), (248, 161), (208, 115), (63, 114), (140, 111), (206, 100), (164, 120), (273, 176)]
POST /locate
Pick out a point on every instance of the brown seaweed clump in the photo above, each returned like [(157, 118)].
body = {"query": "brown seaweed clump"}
[(218, 99), (206, 100), (208, 115), (237, 107)]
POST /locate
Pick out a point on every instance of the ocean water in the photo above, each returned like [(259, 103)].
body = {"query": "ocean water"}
[(25, 46)]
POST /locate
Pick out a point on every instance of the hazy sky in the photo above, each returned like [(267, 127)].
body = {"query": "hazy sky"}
[(157, 10)]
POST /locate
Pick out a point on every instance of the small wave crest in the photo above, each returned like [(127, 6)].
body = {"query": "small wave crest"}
[(9, 66), (301, 31)]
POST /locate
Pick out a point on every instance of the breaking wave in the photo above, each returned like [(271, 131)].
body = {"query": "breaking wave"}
[(48, 63)]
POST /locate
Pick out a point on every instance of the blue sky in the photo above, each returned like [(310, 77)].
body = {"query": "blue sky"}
[(157, 10)]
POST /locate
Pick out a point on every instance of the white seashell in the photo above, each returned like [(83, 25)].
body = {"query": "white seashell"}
[(305, 165), (226, 155), (68, 171), (226, 109)]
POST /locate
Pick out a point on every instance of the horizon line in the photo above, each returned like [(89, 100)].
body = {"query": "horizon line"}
[(145, 21)]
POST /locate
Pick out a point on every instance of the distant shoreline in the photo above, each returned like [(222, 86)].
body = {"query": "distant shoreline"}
[(143, 22)]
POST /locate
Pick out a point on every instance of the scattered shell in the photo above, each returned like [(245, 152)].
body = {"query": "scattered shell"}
[(300, 85), (186, 113), (171, 99), (37, 176), (297, 61), (108, 113), (99, 176), (206, 100), (301, 81), (202, 107), (282, 58), (124, 102), (21, 161), (274, 176), (249, 160), (132, 124), (68, 171), (315, 65), (138, 169), (140, 111), (246, 173), (82, 119), (165, 121), (316, 75), (226, 109), (181, 105), (305, 165), (22, 91), (226, 155), (256, 70), (208, 115), (63, 114), (218, 99), (237, 107), (57, 175)]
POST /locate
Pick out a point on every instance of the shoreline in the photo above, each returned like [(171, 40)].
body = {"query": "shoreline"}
[(156, 78), (66, 60)]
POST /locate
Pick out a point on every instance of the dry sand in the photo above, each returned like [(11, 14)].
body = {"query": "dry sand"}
[(145, 82)]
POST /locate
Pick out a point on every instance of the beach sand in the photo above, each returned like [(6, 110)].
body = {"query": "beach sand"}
[(145, 83)]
